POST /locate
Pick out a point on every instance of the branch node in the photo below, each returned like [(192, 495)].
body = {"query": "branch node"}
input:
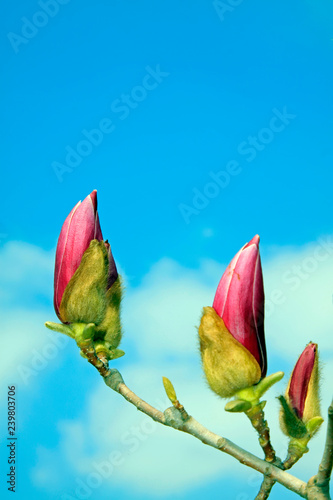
[(114, 379), (221, 443), (173, 418)]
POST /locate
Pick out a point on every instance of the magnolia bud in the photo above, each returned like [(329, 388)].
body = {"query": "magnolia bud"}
[(87, 287), (79, 229), (232, 339), (300, 407)]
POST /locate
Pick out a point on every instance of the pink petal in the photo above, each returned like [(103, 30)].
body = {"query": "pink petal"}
[(78, 230), (258, 315), (221, 294), (239, 300)]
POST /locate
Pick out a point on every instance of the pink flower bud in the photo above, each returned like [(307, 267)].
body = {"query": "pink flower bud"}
[(239, 301), (300, 379), (79, 229), (300, 406)]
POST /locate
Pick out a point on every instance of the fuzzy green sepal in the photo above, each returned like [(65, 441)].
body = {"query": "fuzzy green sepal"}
[(84, 298), (110, 327), (290, 423), (229, 367), (91, 311)]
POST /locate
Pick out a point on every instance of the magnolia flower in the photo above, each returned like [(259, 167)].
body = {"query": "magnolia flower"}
[(87, 288), (232, 340)]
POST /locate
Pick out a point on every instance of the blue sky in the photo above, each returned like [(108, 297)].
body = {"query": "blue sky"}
[(199, 128)]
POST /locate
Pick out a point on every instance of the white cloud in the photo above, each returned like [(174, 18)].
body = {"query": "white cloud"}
[(301, 281), (160, 317), (162, 313), (26, 273), (28, 346), (26, 277)]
